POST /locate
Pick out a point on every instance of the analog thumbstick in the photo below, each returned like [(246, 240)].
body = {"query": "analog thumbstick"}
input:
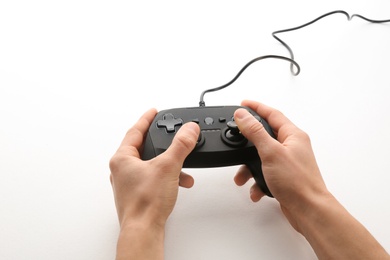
[(233, 128), (232, 136)]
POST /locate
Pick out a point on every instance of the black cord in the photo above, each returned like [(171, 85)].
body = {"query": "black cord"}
[(300, 27), (315, 20), (291, 59), (202, 103), (370, 20)]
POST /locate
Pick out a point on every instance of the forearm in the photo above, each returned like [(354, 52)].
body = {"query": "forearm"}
[(140, 241), (334, 233)]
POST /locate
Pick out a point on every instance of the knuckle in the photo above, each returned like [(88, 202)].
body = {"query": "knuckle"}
[(255, 128), (133, 131), (115, 162), (304, 136), (278, 112)]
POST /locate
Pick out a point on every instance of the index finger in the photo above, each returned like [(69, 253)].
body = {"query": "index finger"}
[(279, 123), (134, 137)]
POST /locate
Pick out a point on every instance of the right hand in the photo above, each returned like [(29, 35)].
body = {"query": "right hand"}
[(288, 163)]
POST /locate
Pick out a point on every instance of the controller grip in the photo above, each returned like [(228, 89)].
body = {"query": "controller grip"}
[(257, 173)]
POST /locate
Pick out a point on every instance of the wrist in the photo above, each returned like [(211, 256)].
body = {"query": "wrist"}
[(312, 209), (141, 215), (145, 221), (333, 232), (307, 203), (140, 239)]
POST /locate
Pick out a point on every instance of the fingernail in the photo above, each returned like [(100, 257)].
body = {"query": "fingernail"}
[(240, 113), (193, 126)]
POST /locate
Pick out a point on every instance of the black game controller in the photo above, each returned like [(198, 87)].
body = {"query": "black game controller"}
[(220, 142)]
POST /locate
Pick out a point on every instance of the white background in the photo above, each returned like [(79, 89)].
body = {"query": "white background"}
[(75, 75)]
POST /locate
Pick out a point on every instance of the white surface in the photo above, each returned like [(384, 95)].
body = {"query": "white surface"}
[(75, 75)]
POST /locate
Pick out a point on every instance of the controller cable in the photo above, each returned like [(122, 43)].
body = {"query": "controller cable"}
[(290, 59)]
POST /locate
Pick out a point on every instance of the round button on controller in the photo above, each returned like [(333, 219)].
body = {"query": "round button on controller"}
[(209, 120)]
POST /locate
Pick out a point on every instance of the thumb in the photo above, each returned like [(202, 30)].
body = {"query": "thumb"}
[(253, 130), (184, 142)]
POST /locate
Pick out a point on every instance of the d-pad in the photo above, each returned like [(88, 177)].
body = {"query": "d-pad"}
[(169, 122)]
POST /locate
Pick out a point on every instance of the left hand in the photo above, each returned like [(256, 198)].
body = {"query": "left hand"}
[(147, 190)]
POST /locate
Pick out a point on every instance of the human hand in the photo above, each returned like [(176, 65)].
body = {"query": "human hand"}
[(293, 177), (147, 190), (288, 163)]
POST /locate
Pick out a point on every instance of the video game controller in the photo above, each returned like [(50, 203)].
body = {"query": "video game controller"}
[(220, 142)]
